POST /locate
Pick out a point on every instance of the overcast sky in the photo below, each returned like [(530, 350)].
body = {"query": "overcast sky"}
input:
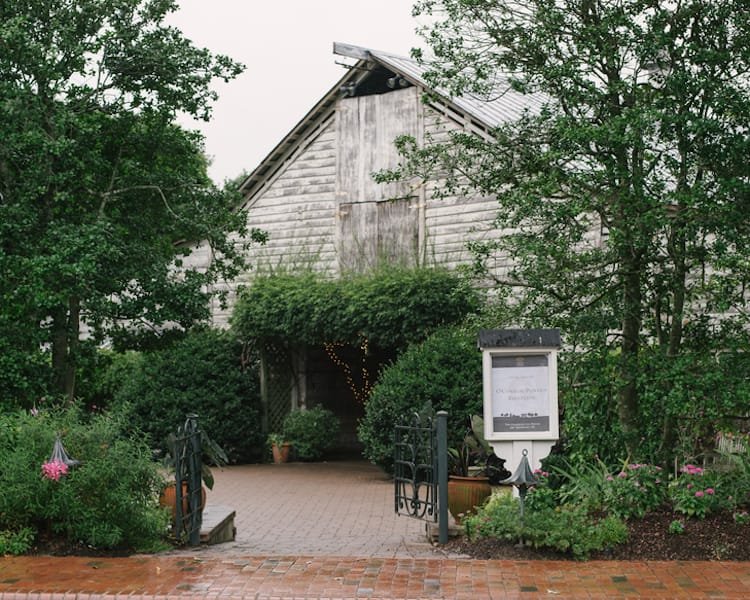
[(286, 46)]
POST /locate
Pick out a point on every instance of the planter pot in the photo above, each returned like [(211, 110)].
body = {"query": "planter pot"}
[(281, 454), (465, 494), (168, 498)]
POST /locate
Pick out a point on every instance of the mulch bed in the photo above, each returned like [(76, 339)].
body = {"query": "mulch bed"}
[(717, 537)]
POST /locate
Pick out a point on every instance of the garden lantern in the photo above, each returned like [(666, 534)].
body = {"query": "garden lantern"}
[(522, 479)]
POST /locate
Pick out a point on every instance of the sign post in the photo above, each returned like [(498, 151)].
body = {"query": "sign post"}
[(520, 392)]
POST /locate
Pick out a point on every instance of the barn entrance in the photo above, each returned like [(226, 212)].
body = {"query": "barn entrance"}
[(337, 377)]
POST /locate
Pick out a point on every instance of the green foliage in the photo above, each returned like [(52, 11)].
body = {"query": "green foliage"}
[(676, 527), (637, 136), (577, 482), (109, 501), (98, 182), (572, 529), (311, 432), (697, 492), (567, 529), (206, 373), (635, 490), (695, 391), (542, 495), (390, 307), (16, 542), (444, 371), (25, 372), (498, 518)]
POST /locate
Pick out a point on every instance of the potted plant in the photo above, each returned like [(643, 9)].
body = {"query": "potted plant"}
[(280, 447), (473, 466)]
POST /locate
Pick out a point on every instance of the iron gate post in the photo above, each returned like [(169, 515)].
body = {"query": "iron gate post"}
[(442, 475), (194, 479)]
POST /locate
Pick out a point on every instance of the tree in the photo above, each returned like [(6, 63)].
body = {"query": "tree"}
[(98, 185), (624, 197)]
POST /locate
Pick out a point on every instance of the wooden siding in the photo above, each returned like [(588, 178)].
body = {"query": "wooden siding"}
[(323, 210), (297, 210), (375, 222), (452, 221)]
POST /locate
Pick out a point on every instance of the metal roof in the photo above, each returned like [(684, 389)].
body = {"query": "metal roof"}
[(506, 104)]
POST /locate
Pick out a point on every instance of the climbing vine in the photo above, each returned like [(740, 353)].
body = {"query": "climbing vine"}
[(389, 308)]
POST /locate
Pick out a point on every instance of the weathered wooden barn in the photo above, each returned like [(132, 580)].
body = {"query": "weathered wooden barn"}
[(315, 196)]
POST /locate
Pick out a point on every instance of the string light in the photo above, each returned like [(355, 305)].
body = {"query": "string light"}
[(360, 393)]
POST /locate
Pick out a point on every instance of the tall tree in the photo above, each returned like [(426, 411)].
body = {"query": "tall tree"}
[(624, 194), (97, 182)]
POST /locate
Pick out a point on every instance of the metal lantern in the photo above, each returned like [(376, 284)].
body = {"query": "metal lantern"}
[(522, 479)]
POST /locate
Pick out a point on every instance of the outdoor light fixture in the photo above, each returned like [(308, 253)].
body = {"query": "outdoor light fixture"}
[(522, 479)]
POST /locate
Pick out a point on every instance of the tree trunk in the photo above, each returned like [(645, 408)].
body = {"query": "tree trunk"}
[(631, 328), (677, 250), (65, 332)]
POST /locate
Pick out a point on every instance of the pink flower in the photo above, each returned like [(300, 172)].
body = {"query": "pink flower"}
[(699, 494), (690, 486), (610, 478), (710, 491), (622, 474), (54, 470), (692, 470)]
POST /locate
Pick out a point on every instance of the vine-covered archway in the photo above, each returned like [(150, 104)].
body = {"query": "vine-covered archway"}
[(323, 340)]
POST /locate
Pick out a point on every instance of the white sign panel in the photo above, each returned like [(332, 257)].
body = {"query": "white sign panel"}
[(520, 394)]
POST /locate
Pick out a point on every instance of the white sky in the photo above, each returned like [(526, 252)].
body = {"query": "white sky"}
[(287, 48)]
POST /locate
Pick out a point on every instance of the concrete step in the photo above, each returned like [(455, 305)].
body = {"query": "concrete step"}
[(218, 524)]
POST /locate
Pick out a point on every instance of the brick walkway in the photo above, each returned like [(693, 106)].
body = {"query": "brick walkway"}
[(316, 509), (169, 577), (328, 531)]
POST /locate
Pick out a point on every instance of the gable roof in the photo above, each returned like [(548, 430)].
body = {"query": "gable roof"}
[(478, 114)]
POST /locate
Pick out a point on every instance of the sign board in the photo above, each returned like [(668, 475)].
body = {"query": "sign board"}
[(520, 384)]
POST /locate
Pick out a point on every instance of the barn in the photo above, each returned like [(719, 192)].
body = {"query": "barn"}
[(315, 196)]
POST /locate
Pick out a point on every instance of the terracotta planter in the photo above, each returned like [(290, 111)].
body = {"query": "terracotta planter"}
[(281, 454), (168, 498), (465, 494)]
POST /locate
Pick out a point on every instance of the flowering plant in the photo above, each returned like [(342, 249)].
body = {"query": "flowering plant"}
[(694, 492), (54, 470), (635, 490), (541, 495)]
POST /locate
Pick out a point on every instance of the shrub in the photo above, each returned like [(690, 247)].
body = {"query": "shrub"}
[(16, 542), (444, 371), (110, 500), (697, 493), (311, 432), (205, 373), (635, 490), (568, 529)]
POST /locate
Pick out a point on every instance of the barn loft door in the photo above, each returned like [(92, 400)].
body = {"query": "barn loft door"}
[(376, 222)]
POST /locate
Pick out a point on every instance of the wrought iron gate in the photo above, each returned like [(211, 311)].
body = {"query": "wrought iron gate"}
[(421, 470), (187, 464)]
